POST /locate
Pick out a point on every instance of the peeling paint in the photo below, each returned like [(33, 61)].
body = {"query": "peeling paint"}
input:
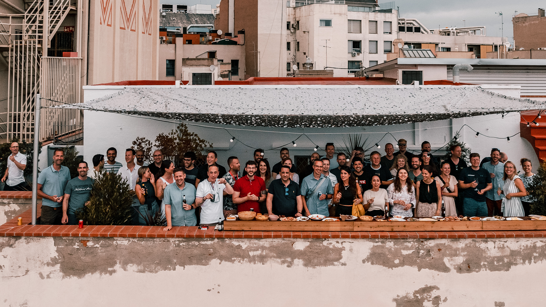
[(420, 297), (444, 256)]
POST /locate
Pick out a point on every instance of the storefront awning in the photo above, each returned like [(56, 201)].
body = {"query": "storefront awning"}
[(310, 106)]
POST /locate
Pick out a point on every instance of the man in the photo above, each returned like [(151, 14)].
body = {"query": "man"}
[(425, 147), (231, 177), (283, 197), (130, 173), (190, 169), (475, 182), (76, 194), (456, 163), (375, 168), (402, 149), (179, 202), (504, 157), (309, 168), (415, 173), (285, 154), (358, 152), (330, 151), (140, 158), (495, 168), (250, 190), (212, 158), (51, 184), (333, 179), (156, 166), (111, 165), (358, 173), (209, 197), (316, 191), (388, 159), (258, 156), (98, 165), (341, 161), (14, 177)]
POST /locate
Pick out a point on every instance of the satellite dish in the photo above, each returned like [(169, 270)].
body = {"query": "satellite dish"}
[(400, 45), (219, 32), (295, 67), (212, 67)]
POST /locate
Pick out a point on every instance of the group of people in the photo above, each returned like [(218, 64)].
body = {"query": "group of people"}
[(396, 184)]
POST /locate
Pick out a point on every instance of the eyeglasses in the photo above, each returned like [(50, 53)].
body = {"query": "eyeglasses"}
[(285, 191), (402, 144)]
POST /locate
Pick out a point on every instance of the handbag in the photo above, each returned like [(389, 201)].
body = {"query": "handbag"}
[(358, 210)]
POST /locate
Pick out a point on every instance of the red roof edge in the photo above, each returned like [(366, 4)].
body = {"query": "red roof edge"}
[(143, 82), (444, 82)]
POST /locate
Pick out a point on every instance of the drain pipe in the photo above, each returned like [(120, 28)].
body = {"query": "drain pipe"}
[(459, 67)]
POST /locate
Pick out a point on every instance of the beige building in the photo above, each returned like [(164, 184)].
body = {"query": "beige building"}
[(530, 31), (87, 42)]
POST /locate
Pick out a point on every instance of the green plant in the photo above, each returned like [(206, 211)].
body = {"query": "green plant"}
[(24, 148), (71, 160), (157, 219), (352, 141), (146, 145), (537, 189), (110, 203), (464, 149)]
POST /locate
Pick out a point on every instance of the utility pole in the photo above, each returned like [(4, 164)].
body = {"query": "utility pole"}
[(326, 46), (502, 32)]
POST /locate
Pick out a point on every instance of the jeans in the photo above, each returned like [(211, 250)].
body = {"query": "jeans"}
[(72, 219), (473, 207), (51, 216)]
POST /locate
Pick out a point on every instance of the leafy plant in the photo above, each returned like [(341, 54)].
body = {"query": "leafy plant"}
[(352, 141), (537, 189), (464, 149), (157, 219), (71, 160), (110, 203), (24, 148), (146, 145)]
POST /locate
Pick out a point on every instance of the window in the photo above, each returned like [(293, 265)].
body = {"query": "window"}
[(373, 27), (409, 76), (355, 26), (373, 47), (288, 25), (298, 64), (234, 67), (387, 46), (387, 27), (201, 78), (288, 46), (297, 24), (355, 46), (401, 29), (297, 46), (287, 66), (359, 9), (188, 41), (354, 66), (170, 68), (448, 49), (373, 63), (326, 22)]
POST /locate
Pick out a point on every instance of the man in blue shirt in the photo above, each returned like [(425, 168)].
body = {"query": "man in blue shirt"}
[(495, 168), (76, 194), (316, 191), (474, 182), (179, 202), (51, 184)]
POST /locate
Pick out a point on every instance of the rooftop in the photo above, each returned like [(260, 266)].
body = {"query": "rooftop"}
[(474, 62), (180, 20)]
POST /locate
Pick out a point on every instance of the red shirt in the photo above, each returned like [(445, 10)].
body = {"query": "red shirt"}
[(245, 186)]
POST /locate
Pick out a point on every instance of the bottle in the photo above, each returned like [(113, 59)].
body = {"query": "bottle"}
[(183, 200), (220, 226)]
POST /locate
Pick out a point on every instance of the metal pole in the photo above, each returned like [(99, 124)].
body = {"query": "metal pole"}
[(35, 159)]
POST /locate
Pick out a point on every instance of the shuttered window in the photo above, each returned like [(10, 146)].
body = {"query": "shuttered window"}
[(373, 47), (355, 26), (372, 27)]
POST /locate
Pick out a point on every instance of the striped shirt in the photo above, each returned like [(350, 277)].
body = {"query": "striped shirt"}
[(112, 168)]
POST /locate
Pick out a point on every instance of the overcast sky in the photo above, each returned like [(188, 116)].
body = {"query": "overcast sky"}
[(434, 13)]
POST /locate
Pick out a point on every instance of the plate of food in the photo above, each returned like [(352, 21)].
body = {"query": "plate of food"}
[(452, 219), (302, 219), (262, 217), (475, 218), (397, 219), (231, 218), (348, 217), (437, 217), (287, 219), (427, 219), (366, 218), (316, 217), (331, 219), (513, 219), (490, 218), (537, 217)]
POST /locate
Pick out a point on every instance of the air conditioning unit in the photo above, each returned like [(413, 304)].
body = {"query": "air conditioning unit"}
[(353, 54)]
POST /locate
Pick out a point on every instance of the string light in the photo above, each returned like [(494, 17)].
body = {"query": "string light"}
[(528, 125), (539, 116), (508, 139), (477, 134), (377, 145), (232, 139), (315, 149), (534, 122), (294, 143)]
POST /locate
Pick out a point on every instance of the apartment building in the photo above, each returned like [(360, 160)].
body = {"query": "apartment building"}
[(530, 31)]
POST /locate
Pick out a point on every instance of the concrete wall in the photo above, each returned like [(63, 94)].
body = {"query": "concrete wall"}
[(124, 41), (10, 208), (271, 38), (456, 43), (529, 32), (271, 272)]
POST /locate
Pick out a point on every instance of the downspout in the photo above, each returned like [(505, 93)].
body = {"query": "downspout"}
[(457, 68)]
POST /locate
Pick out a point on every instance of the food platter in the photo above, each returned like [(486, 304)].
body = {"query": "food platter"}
[(316, 217), (331, 219)]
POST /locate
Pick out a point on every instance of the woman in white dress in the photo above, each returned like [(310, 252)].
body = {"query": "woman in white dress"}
[(165, 178), (449, 189), (402, 194), (513, 191)]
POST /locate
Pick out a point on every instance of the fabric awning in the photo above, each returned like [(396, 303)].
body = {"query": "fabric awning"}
[(307, 106)]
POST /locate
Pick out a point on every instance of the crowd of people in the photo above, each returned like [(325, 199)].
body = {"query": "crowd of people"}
[(396, 184)]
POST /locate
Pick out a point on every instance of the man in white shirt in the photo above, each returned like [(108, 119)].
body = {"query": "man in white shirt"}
[(210, 196), (130, 173), (14, 175)]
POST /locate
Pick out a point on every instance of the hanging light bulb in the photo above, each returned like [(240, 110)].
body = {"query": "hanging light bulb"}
[(294, 143), (508, 139), (503, 115), (528, 125), (539, 116), (534, 122), (232, 139), (477, 134), (455, 138), (377, 145), (315, 149)]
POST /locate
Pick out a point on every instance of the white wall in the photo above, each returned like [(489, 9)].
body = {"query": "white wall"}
[(272, 37)]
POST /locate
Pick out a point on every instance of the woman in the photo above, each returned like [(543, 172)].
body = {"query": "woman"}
[(293, 176), (527, 180), (376, 199), (429, 195), (346, 192), (401, 194), (513, 191), (449, 190), (264, 172), (426, 160), (401, 162), (165, 178), (146, 196)]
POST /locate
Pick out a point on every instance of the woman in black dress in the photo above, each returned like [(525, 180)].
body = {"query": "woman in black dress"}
[(145, 192), (346, 192)]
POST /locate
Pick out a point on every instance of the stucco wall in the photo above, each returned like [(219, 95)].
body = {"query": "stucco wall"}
[(271, 272)]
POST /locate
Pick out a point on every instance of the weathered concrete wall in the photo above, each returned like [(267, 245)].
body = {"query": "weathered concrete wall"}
[(10, 208), (271, 272)]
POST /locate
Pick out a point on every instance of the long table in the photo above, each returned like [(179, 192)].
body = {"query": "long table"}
[(384, 226)]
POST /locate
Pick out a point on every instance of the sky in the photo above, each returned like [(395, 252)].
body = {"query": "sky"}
[(434, 13)]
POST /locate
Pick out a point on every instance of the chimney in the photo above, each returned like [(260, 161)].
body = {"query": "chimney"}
[(540, 12), (241, 34)]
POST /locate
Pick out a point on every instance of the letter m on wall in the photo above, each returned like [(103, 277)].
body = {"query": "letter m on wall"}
[(147, 18), (106, 12), (128, 18)]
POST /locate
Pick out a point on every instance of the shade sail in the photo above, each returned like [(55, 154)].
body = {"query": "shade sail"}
[(307, 106)]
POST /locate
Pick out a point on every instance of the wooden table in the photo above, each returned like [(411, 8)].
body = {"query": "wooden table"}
[(384, 226)]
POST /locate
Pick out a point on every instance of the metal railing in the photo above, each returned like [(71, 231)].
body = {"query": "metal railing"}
[(63, 86)]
